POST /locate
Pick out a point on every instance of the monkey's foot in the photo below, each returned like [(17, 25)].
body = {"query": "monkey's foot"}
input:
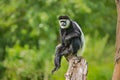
[(55, 69)]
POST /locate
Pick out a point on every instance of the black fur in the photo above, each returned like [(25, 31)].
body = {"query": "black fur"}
[(63, 17), (70, 42)]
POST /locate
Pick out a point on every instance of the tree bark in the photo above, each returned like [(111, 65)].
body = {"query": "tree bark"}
[(116, 73), (77, 69)]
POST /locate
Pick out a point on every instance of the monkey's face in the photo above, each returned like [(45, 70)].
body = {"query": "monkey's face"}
[(64, 23)]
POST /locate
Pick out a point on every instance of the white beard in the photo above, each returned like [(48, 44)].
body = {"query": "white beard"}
[(66, 25)]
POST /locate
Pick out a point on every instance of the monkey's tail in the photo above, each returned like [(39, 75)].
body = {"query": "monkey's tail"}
[(81, 50)]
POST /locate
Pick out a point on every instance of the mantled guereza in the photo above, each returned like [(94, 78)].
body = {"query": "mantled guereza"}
[(72, 40)]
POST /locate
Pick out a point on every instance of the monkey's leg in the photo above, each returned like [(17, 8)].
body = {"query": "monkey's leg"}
[(58, 56)]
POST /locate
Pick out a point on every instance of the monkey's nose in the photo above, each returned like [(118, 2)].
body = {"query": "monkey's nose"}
[(63, 24)]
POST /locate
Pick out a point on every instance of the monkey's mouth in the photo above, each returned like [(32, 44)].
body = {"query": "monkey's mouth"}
[(64, 24)]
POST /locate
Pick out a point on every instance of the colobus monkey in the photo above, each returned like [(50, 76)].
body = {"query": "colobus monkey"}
[(72, 40)]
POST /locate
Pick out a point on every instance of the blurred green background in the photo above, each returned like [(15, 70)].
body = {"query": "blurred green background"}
[(29, 32)]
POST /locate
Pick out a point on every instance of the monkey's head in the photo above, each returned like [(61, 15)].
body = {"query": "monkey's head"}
[(64, 22)]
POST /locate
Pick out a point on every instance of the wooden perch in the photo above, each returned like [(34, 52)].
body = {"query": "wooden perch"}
[(77, 69)]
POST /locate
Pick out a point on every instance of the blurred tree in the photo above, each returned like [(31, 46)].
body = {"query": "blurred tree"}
[(116, 74)]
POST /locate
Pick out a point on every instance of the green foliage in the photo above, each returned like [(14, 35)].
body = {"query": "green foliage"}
[(100, 58), (29, 32)]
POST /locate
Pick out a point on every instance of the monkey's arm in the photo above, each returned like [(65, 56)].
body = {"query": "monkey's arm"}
[(72, 35)]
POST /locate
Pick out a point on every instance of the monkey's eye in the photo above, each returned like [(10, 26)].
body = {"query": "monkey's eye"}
[(63, 23)]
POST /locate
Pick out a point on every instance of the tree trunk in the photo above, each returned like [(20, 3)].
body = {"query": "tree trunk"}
[(77, 69), (116, 73)]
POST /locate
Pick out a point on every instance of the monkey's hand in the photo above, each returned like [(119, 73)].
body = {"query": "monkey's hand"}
[(69, 37)]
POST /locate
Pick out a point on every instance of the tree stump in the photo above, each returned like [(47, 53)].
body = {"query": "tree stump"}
[(77, 69)]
